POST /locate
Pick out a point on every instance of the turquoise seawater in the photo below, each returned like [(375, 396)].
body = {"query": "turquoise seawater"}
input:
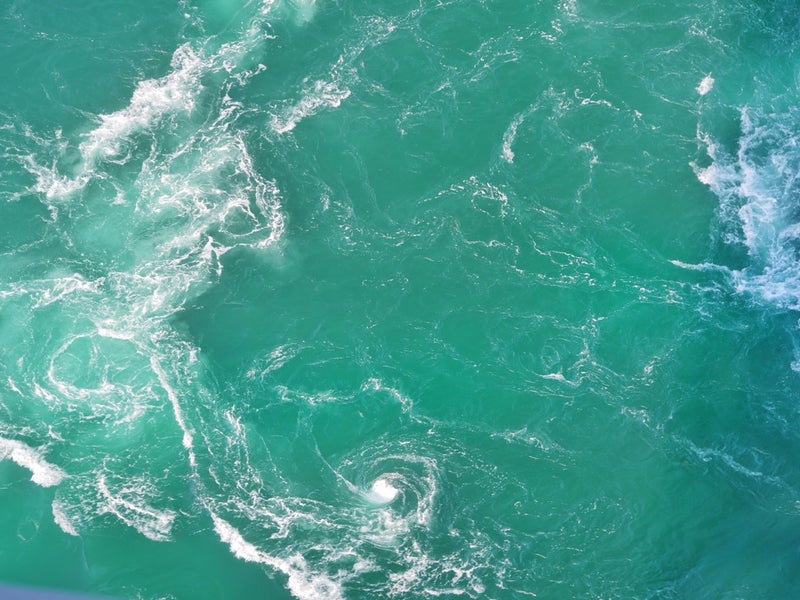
[(411, 299)]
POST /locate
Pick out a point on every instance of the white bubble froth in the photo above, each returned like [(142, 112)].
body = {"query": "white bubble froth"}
[(382, 491)]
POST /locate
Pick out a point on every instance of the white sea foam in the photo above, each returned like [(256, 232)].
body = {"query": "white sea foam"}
[(191, 207), (705, 266), (538, 440), (54, 290), (303, 583), (115, 345), (129, 505), (61, 518), (315, 96), (509, 136), (273, 361), (45, 394), (376, 384), (757, 189), (382, 491), (405, 582), (152, 99), (331, 90), (709, 454), (13, 386), (42, 472), (559, 376), (569, 8), (240, 547), (341, 538), (53, 184), (705, 85), (322, 546), (109, 329), (176, 407)]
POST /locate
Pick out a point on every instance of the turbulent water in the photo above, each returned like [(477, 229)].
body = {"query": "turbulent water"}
[(354, 299)]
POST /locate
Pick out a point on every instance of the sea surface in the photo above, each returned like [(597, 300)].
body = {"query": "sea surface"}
[(351, 299)]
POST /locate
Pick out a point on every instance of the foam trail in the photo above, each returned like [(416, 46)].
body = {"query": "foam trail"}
[(704, 266), (176, 408), (320, 94), (509, 136), (42, 472), (302, 584), (330, 90), (62, 520)]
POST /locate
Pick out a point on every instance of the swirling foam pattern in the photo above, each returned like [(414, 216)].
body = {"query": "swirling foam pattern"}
[(336, 299)]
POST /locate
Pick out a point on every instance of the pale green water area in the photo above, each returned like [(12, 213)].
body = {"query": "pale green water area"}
[(410, 299)]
